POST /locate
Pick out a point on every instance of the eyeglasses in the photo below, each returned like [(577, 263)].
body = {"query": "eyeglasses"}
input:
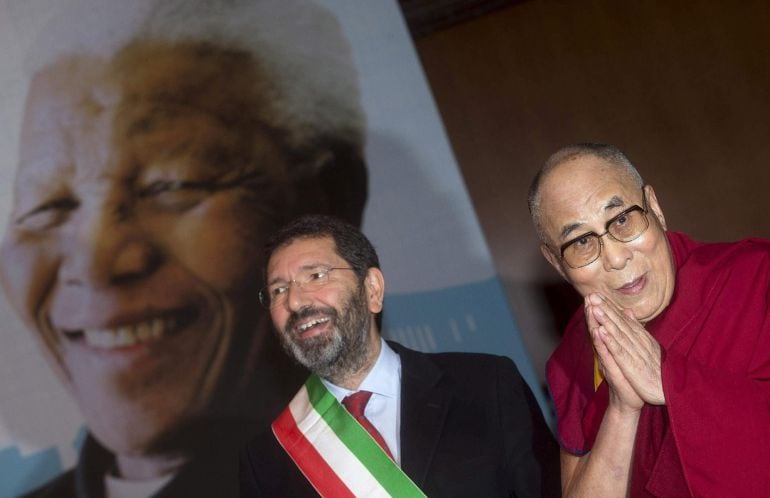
[(627, 226), (307, 280)]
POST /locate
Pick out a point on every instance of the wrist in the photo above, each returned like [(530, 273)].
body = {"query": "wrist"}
[(623, 413)]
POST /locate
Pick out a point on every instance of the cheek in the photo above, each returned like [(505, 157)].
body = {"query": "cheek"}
[(654, 253), (586, 280), (663, 267), (279, 316), (219, 242), (28, 269)]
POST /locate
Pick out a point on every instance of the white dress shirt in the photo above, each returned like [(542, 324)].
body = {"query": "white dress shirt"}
[(384, 407)]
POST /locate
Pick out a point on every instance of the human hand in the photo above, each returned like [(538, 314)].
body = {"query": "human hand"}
[(622, 394), (634, 351)]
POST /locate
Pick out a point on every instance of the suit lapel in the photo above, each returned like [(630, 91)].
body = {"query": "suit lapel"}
[(424, 406)]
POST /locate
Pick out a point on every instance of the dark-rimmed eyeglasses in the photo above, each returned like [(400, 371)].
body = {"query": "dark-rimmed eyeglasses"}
[(627, 226), (307, 280)]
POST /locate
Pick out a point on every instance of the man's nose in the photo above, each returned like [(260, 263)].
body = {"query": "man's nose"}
[(296, 297), (107, 247), (615, 254)]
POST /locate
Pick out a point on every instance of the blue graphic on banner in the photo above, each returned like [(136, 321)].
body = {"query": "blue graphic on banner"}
[(473, 317), (21, 474)]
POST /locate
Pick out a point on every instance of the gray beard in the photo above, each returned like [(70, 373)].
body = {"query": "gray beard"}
[(340, 354)]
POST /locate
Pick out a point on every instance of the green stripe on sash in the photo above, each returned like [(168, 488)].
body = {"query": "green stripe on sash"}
[(360, 443)]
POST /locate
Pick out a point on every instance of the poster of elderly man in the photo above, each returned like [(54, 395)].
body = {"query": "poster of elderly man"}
[(149, 149)]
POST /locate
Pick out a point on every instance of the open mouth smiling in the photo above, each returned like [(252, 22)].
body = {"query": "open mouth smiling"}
[(310, 326), (135, 333), (312, 323)]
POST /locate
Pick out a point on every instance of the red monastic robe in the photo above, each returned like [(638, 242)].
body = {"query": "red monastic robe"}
[(712, 438)]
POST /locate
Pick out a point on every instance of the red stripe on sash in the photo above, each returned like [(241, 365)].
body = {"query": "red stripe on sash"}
[(312, 465)]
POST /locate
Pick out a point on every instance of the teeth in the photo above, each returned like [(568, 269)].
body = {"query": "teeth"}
[(129, 335), (312, 323)]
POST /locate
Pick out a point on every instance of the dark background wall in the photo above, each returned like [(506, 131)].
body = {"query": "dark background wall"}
[(682, 87)]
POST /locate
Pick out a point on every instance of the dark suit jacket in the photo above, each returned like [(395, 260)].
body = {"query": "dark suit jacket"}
[(470, 427)]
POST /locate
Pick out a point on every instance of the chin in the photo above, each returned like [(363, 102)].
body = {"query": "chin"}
[(646, 313), (138, 420)]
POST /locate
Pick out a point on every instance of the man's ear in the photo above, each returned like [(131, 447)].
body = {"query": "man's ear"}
[(652, 205), (374, 283), (552, 259)]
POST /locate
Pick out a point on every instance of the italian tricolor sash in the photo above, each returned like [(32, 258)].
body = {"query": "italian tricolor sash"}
[(334, 452)]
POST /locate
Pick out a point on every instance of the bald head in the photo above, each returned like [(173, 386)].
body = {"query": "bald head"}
[(609, 156)]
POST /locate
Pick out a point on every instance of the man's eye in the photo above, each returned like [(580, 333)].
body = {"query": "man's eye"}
[(277, 291), (621, 220), (583, 245), (159, 187), (47, 215), (317, 275), (175, 195), (582, 241)]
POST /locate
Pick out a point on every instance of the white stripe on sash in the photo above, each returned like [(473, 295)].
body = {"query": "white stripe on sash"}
[(344, 463)]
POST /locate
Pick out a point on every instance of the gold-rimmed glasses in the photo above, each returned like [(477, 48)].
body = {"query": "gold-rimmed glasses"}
[(626, 226), (307, 280)]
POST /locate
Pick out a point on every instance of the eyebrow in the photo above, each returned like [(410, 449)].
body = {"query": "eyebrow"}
[(568, 229), (614, 202)]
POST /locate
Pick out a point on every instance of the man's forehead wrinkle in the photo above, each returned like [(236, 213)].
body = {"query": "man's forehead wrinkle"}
[(176, 145), (202, 151), (44, 158), (185, 155), (165, 122), (575, 194), (145, 115), (97, 97), (77, 91), (175, 130), (77, 137), (189, 76), (210, 102)]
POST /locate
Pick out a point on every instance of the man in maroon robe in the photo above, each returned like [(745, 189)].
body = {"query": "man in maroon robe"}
[(662, 381)]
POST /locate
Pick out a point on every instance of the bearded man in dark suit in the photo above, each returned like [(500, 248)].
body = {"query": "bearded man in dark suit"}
[(441, 425)]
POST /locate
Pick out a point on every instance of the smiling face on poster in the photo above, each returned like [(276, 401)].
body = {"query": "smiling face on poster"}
[(147, 182), (133, 245)]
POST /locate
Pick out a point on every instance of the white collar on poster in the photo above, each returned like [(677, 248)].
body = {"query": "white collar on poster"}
[(117, 487)]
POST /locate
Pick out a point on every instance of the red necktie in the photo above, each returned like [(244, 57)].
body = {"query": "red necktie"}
[(355, 404)]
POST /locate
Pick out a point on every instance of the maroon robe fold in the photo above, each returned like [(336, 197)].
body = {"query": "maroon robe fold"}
[(712, 438)]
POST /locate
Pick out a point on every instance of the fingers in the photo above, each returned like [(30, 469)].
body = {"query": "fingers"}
[(623, 326), (590, 318), (633, 349), (622, 392), (608, 366)]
